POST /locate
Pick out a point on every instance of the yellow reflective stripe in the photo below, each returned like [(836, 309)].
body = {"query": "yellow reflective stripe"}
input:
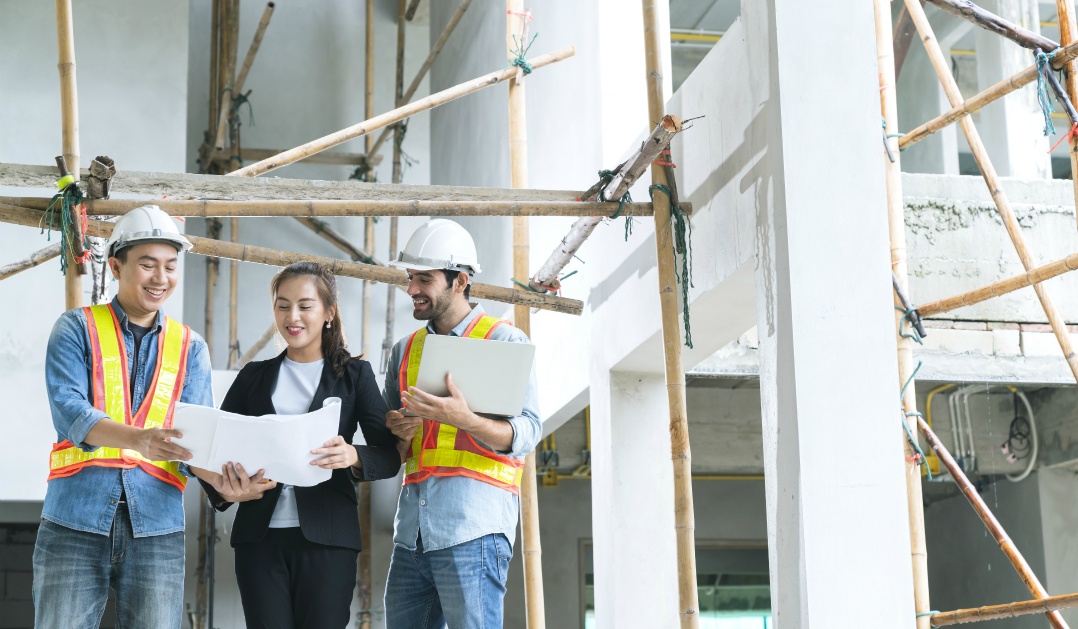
[(482, 328), (112, 368), (478, 463), (447, 437), (415, 354), (171, 355), (72, 456)]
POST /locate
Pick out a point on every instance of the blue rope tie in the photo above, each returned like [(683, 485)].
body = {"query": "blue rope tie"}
[(906, 314), (61, 205), (906, 426), (518, 53), (1044, 96), (683, 245)]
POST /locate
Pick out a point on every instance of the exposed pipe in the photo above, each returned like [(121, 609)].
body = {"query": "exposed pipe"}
[(1014, 478)]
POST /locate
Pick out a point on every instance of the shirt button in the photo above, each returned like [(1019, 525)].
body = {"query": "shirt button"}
[(422, 503)]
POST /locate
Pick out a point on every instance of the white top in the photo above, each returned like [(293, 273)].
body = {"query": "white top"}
[(293, 395)]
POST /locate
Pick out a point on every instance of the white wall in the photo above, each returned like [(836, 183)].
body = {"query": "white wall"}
[(131, 61)]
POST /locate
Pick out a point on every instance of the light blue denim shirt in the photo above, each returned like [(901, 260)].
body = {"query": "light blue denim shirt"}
[(87, 501), (451, 510)]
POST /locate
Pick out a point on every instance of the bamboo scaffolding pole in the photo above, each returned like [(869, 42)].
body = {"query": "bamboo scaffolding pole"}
[(211, 208), (229, 90), (1009, 610), (684, 518), (988, 171), (327, 157), (1068, 33), (398, 176), (398, 114), (69, 116), (897, 232), (343, 268), (534, 599), (902, 37), (409, 13), (993, 23), (990, 522), (253, 350), (29, 262), (335, 238), (214, 97), (423, 69), (233, 298), (252, 50), (962, 109), (1002, 287), (942, 67), (627, 173)]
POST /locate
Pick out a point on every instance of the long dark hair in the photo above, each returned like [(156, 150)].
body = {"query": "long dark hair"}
[(334, 347)]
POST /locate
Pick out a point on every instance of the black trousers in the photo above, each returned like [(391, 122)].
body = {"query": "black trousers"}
[(287, 582)]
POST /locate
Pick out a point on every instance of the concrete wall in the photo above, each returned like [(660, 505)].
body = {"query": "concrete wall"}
[(132, 87)]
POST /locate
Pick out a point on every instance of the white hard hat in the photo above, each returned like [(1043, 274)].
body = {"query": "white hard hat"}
[(439, 244), (147, 223)]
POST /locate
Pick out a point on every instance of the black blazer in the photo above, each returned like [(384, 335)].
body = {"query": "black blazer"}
[(327, 511)]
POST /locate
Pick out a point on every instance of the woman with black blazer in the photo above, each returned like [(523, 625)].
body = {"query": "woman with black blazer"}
[(296, 547)]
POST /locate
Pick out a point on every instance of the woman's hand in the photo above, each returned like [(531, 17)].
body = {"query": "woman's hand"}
[(338, 454), (235, 485)]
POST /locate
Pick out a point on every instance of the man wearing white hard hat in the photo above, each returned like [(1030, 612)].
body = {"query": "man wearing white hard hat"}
[(457, 513), (113, 512)]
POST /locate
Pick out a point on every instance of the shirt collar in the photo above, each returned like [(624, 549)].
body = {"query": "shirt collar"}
[(459, 329), (122, 315)]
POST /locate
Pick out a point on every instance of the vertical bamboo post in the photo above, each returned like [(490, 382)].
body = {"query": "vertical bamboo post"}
[(942, 67), (1067, 34), (518, 163), (233, 298), (398, 176), (988, 171), (215, 45), (897, 228), (69, 112), (684, 517)]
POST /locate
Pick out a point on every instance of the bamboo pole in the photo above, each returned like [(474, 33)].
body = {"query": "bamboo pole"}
[(273, 257), (233, 298), (897, 231), (328, 157), (990, 522), (252, 50), (398, 114), (29, 262), (534, 598), (221, 208), (69, 116), (1009, 610), (334, 237), (942, 67), (902, 38), (961, 109), (991, 22), (253, 350), (409, 13), (214, 97), (684, 518), (1068, 33), (398, 176), (427, 63), (1002, 287), (626, 174), (231, 27), (988, 171)]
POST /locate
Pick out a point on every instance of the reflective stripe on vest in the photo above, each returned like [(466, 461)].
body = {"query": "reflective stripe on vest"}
[(441, 450), (111, 391)]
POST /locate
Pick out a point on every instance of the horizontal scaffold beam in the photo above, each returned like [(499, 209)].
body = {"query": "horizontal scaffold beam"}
[(151, 185), (276, 208), (272, 257)]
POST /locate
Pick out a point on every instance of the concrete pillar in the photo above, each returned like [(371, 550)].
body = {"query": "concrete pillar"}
[(1012, 128), (837, 519), (635, 554), (1059, 511)]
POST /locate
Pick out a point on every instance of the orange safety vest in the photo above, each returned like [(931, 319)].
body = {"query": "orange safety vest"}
[(441, 450), (112, 394)]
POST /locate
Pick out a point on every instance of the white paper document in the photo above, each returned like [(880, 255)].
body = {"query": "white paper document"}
[(279, 444)]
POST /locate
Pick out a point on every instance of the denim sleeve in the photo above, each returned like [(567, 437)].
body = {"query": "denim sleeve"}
[(198, 381), (527, 427), (67, 380)]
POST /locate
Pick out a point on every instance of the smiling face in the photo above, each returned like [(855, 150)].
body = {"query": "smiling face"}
[(301, 316), (147, 275), (431, 294)]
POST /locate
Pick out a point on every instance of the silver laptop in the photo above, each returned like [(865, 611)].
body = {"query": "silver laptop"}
[(492, 375)]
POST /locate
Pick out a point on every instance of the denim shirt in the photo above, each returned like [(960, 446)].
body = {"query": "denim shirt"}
[(451, 510), (87, 501)]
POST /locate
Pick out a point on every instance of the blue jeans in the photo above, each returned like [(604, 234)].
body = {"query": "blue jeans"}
[(462, 586), (73, 571)]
